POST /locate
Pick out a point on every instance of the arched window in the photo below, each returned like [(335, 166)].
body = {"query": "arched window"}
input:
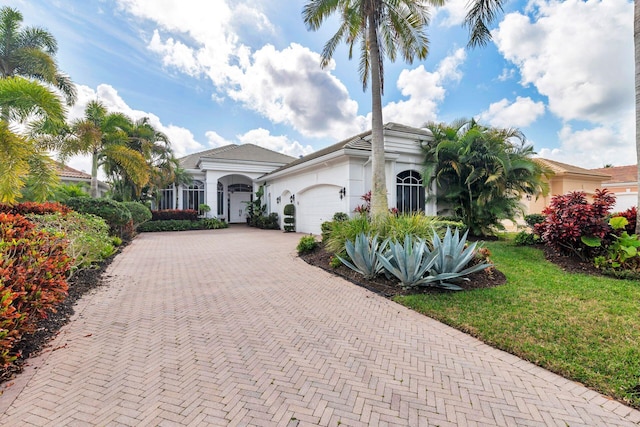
[(409, 192), (220, 199), (193, 196), (240, 188)]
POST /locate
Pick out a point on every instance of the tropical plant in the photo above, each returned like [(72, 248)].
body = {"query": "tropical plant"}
[(382, 28), (30, 52), (573, 225), (482, 172), (155, 147), (483, 12), (453, 255), (24, 158), (409, 262), (87, 236), (103, 136), (363, 253)]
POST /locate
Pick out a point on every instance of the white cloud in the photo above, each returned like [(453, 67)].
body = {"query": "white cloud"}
[(595, 147), (453, 12), (507, 73), (263, 138), (425, 91), (520, 113), (579, 54), (289, 87), (280, 143)]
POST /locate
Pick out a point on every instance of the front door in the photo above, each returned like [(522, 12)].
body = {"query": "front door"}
[(238, 207)]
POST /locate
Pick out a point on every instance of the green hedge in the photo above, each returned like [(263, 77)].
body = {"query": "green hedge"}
[(139, 213), (114, 213), (182, 225)]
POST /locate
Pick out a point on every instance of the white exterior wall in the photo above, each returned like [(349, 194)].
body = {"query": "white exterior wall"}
[(316, 186)]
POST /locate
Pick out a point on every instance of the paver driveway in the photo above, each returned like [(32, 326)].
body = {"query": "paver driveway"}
[(229, 328)]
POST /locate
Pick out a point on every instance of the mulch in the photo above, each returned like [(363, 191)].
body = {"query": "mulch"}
[(81, 283), (389, 288)]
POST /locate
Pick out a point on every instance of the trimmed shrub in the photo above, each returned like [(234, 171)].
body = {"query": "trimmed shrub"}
[(87, 236), (139, 213), (340, 216), (34, 208), (182, 225), (33, 271), (166, 214), (114, 213), (533, 219), (307, 244), (267, 222), (526, 239)]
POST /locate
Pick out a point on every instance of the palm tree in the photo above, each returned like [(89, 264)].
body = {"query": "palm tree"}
[(484, 171), (23, 156), (103, 136), (381, 28), (29, 52), (483, 12), (155, 147)]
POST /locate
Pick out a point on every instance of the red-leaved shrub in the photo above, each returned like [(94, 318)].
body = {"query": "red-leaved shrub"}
[(165, 214), (33, 271), (34, 208), (570, 217), (630, 214)]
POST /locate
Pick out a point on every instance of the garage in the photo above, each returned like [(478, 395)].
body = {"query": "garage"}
[(317, 205)]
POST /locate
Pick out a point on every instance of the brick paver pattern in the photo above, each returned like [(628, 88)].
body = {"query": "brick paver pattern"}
[(229, 327)]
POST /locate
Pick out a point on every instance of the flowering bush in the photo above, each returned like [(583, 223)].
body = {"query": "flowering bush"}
[(570, 218), (33, 271)]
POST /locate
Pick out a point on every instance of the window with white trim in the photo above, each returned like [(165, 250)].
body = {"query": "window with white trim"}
[(410, 194)]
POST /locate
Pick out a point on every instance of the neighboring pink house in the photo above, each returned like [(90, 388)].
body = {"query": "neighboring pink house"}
[(623, 183)]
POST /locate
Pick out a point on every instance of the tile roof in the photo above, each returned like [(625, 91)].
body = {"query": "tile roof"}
[(357, 142), (560, 168), (65, 171), (242, 152), (620, 173)]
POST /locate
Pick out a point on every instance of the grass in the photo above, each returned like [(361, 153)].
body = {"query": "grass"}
[(582, 327)]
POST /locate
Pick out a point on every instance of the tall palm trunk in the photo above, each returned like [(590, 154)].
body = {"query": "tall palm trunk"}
[(379, 203), (94, 174), (636, 40)]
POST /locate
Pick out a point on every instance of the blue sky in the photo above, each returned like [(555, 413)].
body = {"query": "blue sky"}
[(214, 72)]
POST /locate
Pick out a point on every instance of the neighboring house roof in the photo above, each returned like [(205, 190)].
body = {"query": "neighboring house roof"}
[(69, 174), (560, 168), (358, 142), (242, 152), (65, 171), (620, 174)]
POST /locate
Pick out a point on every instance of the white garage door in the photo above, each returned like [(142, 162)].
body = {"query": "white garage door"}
[(316, 206)]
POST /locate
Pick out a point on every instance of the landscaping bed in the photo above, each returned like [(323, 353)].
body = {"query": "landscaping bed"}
[(319, 257), (47, 329)]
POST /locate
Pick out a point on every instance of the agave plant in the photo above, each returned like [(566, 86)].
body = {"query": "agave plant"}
[(364, 254), (452, 256), (408, 262)]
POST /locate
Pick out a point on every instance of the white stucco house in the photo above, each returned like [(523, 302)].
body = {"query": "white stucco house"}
[(320, 184)]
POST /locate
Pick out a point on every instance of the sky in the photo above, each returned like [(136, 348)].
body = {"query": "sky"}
[(215, 72)]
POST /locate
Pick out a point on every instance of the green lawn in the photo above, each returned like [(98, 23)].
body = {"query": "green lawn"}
[(584, 328)]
